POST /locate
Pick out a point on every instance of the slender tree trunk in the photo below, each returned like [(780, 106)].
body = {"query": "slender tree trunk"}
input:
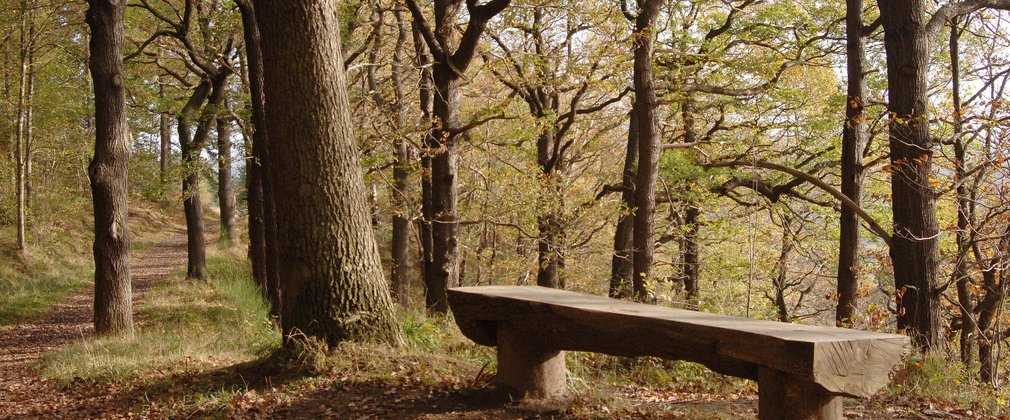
[(333, 286), (426, 104), (441, 144), (196, 247), (108, 170), (853, 142), (648, 146), (400, 242), (19, 146), (442, 147), (225, 188), (165, 136), (781, 279), (689, 258), (621, 267), (692, 216), (988, 308), (969, 332), (264, 249), (914, 248), (29, 118), (545, 105), (549, 226)]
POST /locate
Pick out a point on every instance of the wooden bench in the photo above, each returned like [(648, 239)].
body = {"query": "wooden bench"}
[(802, 371)]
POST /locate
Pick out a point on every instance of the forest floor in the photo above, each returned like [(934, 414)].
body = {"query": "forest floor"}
[(436, 376), (26, 393)]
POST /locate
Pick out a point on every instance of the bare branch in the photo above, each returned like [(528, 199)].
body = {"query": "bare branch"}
[(846, 201), (436, 48), (951, 10)]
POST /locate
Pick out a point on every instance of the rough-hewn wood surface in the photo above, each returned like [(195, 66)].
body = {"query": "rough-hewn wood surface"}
[(842, 361)]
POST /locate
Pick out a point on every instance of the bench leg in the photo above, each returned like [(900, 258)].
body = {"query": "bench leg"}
[(781, 397), (526, 369)]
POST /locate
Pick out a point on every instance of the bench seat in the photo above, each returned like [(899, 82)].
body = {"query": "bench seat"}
[(802, 371)]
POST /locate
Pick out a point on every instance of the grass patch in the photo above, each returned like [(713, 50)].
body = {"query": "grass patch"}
[(33, 292), (31, 283), (58, 261), (181, 323)]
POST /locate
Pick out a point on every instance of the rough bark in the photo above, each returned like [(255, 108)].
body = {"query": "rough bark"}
[(263, 249), (621, 267), (648, 146), (108, 170), (914, 247), (853, 142), (225, 187), (332, 284)]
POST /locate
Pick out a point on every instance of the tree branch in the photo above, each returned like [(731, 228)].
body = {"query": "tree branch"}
[(951, 10), (479, 17), (425, 29), (874, 226)]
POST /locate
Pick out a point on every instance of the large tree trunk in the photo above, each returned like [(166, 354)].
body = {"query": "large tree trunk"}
[(400, 241), (914, 248), (332, 281), (853, 143), (621, 267), (648, 146), (225, 187), (262, 214), (108, 170), (196, 248)]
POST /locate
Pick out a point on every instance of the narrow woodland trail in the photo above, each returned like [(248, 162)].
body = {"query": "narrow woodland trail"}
[(23, 392)]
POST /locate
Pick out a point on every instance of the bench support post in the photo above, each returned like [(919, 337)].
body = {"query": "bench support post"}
[(782, 397), (526, 369)]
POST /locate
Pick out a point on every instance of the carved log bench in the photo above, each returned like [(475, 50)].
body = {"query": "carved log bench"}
[(802, 371)]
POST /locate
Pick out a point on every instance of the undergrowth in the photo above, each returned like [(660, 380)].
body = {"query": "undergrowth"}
[(938, 378)]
